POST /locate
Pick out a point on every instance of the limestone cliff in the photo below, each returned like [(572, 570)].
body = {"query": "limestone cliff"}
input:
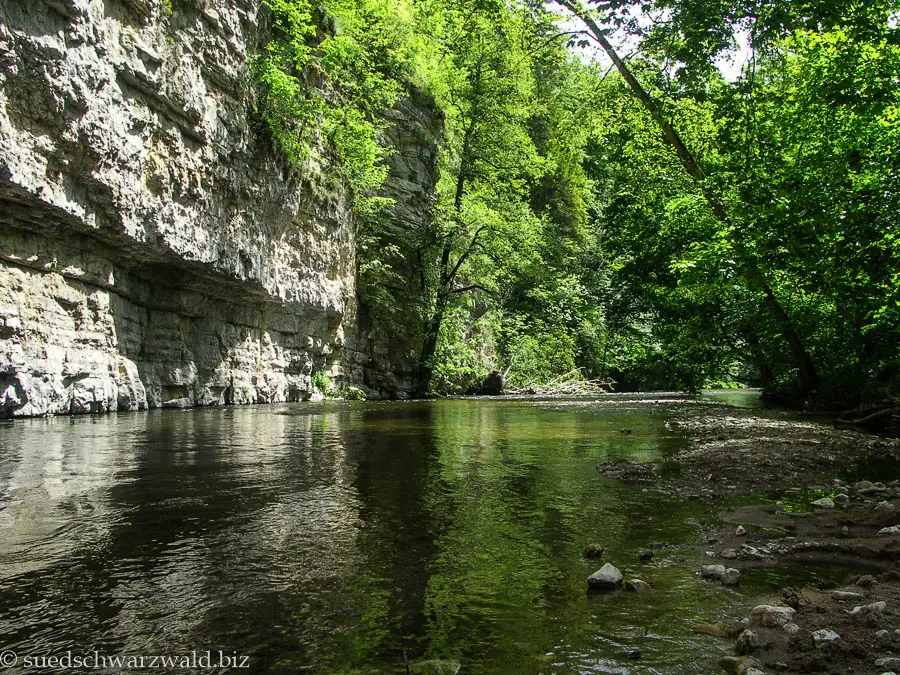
[(155, 249)]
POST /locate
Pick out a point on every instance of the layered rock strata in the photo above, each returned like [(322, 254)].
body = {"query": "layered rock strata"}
[(155, 249)]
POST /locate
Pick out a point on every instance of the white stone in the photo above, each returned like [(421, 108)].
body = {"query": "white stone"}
[(771, 616), (607, 577), (715, 572), (824, 637)]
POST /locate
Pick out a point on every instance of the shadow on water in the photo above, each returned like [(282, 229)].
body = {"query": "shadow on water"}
[(337, 538)]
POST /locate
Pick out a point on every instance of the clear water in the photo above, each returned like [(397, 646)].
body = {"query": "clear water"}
[(352, 537)]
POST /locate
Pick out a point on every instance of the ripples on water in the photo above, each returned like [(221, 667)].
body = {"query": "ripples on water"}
[(334, 538)]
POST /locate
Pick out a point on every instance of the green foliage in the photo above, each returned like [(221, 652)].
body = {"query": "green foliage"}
[(320, 380), (329, 74), (354, 394), (537, 353), (567, 234)]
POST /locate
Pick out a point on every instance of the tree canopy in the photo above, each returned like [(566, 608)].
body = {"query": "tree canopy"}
[(628, 212)]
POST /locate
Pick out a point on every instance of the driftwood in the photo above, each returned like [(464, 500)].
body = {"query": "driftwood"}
[(883, 419), (572, 383)]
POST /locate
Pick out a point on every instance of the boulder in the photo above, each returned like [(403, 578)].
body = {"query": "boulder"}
[(771, 616), (714, 572), (606, 578)]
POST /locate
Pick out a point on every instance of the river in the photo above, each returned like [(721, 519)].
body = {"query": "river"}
[(354, 537)]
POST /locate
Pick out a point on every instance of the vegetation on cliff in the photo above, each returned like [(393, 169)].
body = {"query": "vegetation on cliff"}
[(608, 199)]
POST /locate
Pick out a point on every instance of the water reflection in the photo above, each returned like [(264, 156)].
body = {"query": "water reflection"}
[(341, 538)]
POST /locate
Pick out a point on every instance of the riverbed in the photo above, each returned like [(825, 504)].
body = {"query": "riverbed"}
[(346, 537)]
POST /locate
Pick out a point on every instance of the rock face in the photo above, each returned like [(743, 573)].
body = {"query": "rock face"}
[(155, 249)]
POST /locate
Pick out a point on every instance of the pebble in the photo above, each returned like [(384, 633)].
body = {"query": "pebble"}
[(826, 503), (729, 554), (886, 507), (845, 531), (890, 530), (841, 500), (751, 552), (646, 556), (791, 628), (607, 577), (823, 637), (883, 636), (890, 662), (740, 531)]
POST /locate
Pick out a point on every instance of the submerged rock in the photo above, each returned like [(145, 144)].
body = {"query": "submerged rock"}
[(593, 551), (606, 578), (637, 586), (725, 629)]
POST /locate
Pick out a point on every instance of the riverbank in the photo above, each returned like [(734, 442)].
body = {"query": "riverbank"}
[(827, 497)]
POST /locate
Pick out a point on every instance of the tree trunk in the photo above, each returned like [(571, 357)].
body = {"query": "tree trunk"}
[(751, 272), (765, 371)]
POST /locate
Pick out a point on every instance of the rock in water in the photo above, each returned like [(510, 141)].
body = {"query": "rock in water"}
[(732, 577), (728, 629), (593, 551), (715, 572), (637, 586), (606, 578)]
